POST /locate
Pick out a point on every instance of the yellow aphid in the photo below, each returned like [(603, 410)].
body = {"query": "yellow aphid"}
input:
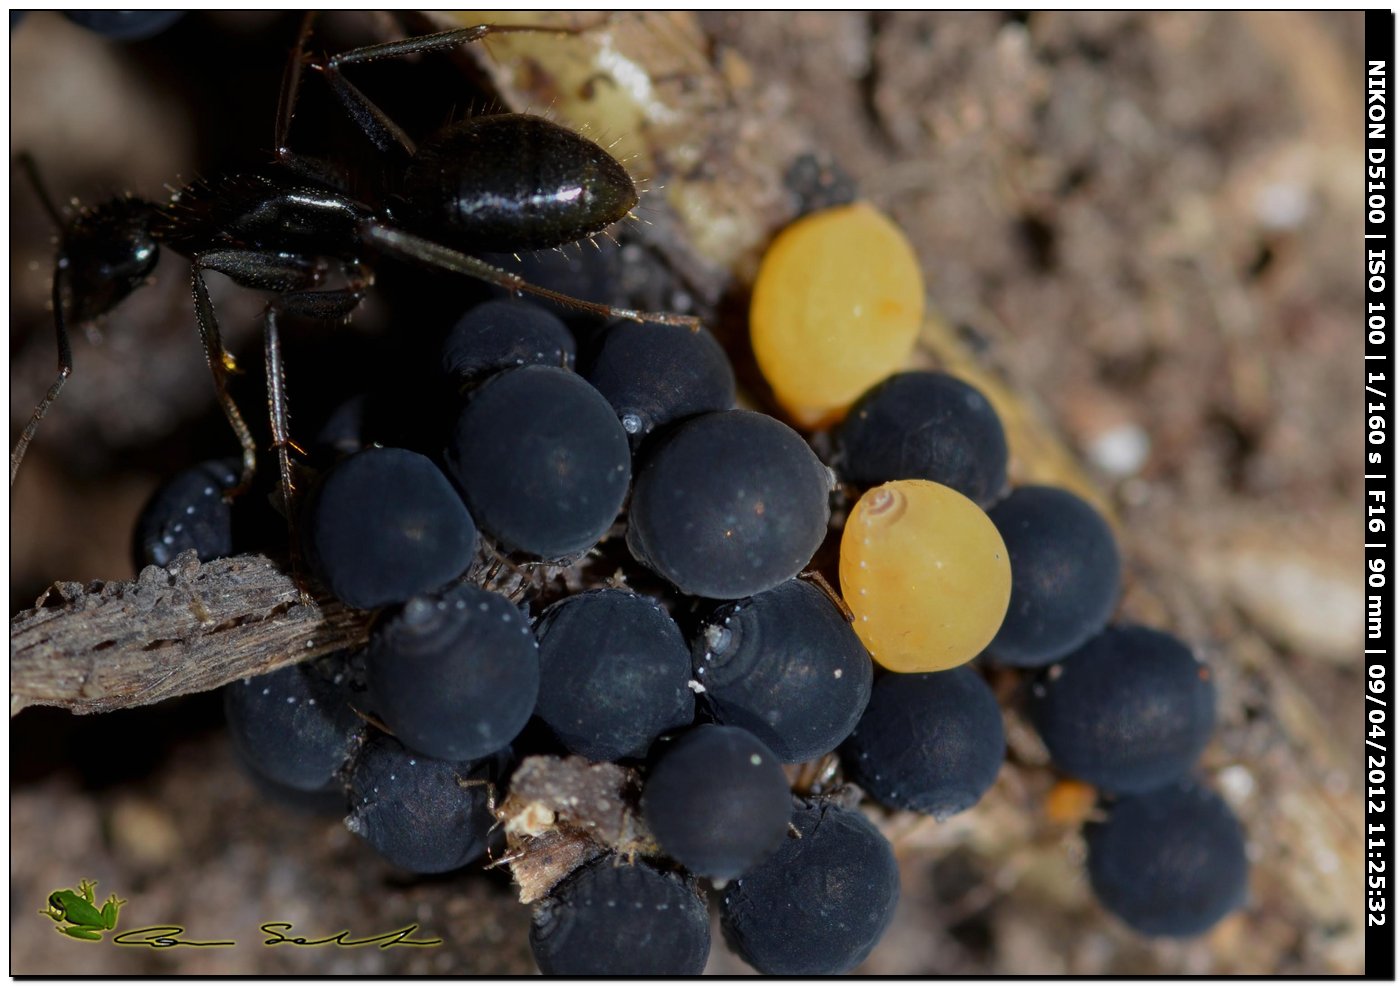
[(926, 575), (837, 305)]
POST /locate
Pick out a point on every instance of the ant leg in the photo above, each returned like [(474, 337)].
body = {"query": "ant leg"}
[(222, 365), (313, 168), (65, 369), (31, 171), (416, 248), (291, 88), (328, 305), (385, 134), (443, 40)]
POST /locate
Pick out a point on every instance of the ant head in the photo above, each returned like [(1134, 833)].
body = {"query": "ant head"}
[(107, 252)]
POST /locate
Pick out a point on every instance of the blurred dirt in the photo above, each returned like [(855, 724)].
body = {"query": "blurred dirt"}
[(1138, 227)]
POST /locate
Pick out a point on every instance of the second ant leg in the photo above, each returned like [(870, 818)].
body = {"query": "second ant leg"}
[(329, 305), (386, 135), (410, 247)]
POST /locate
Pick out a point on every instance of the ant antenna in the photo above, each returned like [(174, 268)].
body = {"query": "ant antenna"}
[(31, 170)]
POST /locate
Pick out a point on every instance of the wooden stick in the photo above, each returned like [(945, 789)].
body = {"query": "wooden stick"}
[(187, 628)]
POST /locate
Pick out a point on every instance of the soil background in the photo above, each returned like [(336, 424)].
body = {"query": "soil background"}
[(1143, 229)]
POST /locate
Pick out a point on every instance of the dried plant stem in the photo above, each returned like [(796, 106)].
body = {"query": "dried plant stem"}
[(187, 628)]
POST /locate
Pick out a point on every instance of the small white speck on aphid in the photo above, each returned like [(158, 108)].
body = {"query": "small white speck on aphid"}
[(755, 759)]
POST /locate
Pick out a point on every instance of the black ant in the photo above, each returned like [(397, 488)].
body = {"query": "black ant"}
[(507, 183)]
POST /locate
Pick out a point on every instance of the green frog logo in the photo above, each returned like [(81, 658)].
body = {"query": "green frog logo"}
[(76, 913)]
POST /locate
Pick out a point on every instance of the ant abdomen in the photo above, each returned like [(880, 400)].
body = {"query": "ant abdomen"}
[(515, 182)]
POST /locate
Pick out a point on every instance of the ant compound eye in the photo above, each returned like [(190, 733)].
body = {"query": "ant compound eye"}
[(386, 524), (926, 575), (728, 504), (836, 307)]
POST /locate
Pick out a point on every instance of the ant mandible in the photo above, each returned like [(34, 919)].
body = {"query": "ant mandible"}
[(509, 182)]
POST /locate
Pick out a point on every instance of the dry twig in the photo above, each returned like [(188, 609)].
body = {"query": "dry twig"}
[(187, 628)]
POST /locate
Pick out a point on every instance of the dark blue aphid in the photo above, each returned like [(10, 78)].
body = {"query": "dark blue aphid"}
[(422, 814), (501, 335), (924, 425), (1169, 862), (786, 666), (455, 675), (717, 801), (293, 725), (820, 904), (614, 673), (615, 918), (1131, 710), (931, 743), (384, 525), (655, 374), (1064, 575), (728, 504), (188, 512), (543, 461)]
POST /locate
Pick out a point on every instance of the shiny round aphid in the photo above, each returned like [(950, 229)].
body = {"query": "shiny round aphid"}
[(188, 512), (836, 308), (613, 917), (819, 905), (786, 666), (500, 335), (1169, 862), (717, 801), (728, 504), (926, 575), (125, 25), (543, 461), (422, 814), (924, 425), (1129, 711), (384, 525), (455, 675), (292, 725), (655, 374), (614, 673), (1065, 574), (930, 743)]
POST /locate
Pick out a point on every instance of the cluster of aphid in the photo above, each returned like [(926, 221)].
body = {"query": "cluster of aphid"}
[(504, 580), (601, 575)]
